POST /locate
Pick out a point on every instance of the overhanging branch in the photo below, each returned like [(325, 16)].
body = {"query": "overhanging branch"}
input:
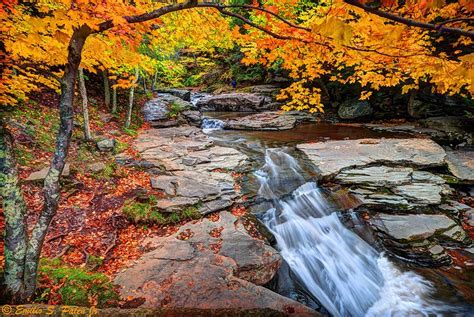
[(428, 26)]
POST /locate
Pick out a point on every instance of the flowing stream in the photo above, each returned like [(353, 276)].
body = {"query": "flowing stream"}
[(326, 265), (342, 271)]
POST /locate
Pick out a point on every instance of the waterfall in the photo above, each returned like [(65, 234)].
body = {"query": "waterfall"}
[(209, 124), (347, 275)]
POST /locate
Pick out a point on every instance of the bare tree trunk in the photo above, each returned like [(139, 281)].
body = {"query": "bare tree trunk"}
[(154, 81), (128, 121), (14, 210), (144, 85), (105, 73), (114, 100), (85, 110)]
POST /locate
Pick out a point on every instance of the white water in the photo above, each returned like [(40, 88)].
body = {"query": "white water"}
[(209, 124), (347, 275)]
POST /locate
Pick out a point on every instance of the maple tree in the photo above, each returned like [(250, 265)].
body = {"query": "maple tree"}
[(377, 44)]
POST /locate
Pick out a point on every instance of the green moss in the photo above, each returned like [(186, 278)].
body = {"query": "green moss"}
[(192, 212), (77, 286), (175, 109), (145, 212), (120, 146)]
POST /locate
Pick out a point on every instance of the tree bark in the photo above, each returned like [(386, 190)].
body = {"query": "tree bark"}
[(154, 81), (51, 188), (105, 73), (144, 85), (85, 110), (114, 100), (128, 121), (14, 210)]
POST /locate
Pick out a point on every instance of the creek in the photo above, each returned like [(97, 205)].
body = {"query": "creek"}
[(332, 261)]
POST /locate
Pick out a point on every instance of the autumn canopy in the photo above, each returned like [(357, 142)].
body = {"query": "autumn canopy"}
[(47, 44)]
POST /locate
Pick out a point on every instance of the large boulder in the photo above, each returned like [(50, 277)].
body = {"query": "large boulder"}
[(164, 110), (211, 264), (272, 121), (333, 156), (354, 110), (106, 145), (180, 93), (451, 129), (233, 102)]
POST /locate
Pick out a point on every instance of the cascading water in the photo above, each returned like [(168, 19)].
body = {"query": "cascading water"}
[(209, 124), (347, 275)]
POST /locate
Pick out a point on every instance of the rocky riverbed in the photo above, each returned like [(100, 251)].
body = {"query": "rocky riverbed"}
[(407, 188)]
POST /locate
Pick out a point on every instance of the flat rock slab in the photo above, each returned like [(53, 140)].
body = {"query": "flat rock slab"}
[(197, 172), (267, 121), (208, 264), (461, 165), (406, 228), (333, 156)]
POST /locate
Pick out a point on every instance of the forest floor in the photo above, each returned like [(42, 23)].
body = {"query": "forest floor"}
[(89, 232)]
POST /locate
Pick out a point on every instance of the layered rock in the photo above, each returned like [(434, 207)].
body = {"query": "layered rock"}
[(234, 102), (191, 170), (158, 112), (391, 175), (211, 264), (331, 157), (461, 165), (270, 121)]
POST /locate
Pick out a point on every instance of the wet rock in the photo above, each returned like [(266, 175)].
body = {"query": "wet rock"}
[(408, 228), (272, 121), (422, 193), (232, 102), (41, 174), (106, 145), (333, 156), (376, 176), (180, 93), (193, 117), (354, 110), (205, 266), (461, 165)]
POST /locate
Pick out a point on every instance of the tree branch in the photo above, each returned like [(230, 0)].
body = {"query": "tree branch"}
[(428, 26)]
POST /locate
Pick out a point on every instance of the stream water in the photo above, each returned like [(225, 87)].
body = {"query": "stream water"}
[(326, 265)]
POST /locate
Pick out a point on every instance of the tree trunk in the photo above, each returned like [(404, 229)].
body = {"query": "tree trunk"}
[(51, 187), (154, 81), (85, 110), (105, 73), (114, 100), (144, 85), (128, 121), (14, 210)]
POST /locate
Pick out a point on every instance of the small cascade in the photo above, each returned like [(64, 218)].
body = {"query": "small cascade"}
[(346, 274), (209, 124)]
